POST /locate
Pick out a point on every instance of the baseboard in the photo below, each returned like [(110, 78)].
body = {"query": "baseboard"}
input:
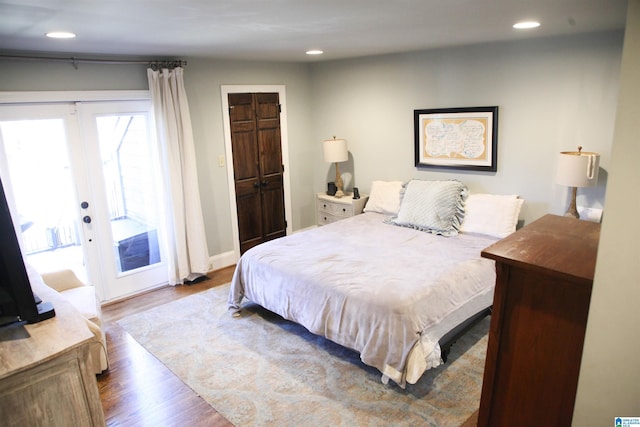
[(222, 260), (226, 259)]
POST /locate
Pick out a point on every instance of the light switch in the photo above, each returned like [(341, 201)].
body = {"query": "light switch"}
[(221, 161)]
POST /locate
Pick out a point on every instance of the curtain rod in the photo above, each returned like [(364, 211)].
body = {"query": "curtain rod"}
[(154, 64)]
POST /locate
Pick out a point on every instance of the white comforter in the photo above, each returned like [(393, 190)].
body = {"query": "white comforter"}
[(369, 286)]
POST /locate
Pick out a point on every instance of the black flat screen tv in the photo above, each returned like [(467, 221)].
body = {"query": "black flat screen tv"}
[(17, 301)]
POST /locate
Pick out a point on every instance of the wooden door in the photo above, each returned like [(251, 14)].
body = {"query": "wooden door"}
[(257, 163)]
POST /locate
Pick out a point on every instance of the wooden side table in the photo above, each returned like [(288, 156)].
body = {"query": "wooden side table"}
[(46, 377)]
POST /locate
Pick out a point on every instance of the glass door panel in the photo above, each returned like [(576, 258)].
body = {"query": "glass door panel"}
[(128, 173), (40, 177), (125, 179)]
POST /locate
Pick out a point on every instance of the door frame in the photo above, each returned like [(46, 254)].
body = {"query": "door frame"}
[(225, 90)]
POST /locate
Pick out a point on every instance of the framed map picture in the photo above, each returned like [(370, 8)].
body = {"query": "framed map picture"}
[(459, 138)]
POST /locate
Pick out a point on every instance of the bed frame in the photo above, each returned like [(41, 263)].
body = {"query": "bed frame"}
[(453, 335)]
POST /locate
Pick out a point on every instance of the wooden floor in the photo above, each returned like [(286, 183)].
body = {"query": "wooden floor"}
[(137, 389)]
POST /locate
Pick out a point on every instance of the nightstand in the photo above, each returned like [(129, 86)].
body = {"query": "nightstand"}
[(331, 209)]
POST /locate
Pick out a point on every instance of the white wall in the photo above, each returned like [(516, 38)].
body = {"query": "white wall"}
[(609, 383), (553, 95)]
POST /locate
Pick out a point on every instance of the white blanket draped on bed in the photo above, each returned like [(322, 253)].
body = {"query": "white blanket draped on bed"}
[(373, 287)]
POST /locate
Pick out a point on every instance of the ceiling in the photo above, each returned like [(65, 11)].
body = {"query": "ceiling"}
[(282, 30)]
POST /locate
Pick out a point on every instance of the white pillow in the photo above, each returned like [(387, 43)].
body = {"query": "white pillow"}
[(384, 197), (433, 206), (491, 214)]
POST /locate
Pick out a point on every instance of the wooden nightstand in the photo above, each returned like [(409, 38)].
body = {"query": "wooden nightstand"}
[(331, 209)]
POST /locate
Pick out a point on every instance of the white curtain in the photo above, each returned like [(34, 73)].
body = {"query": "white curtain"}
[(188, 252)]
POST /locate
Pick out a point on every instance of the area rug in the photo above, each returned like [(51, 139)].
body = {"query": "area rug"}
[(261, 370)]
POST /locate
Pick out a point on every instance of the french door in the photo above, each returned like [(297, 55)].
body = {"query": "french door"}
[(82, 181)]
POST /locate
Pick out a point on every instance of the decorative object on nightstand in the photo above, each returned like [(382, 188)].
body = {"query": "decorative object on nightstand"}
[(331, 209), (577, 169), (331, 188), (335, 151)]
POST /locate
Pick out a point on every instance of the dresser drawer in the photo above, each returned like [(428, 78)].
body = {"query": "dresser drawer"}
[(337, 209), (326, 218)]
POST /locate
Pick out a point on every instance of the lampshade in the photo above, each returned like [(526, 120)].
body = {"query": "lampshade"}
[(335, 150), (578, 168)]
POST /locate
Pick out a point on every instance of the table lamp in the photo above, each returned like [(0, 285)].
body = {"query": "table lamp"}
[(577, 169), (335, 151)]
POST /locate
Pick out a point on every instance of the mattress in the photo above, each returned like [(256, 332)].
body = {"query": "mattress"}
[(387, 292)]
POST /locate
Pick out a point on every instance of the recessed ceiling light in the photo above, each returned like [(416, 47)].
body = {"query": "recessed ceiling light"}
[(60, 35), (314, 52), (526, 25)]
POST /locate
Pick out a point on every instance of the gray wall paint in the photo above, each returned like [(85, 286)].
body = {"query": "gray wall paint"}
[(203, 81), (553, 95), (61, 76), (609, 383)]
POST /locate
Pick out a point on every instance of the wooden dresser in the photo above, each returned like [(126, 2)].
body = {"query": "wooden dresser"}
[(45, 375), (543, 289)]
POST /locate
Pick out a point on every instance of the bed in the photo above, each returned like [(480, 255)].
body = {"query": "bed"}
[(384, 287)]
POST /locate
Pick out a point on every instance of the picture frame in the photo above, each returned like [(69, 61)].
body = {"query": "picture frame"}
[(457, 138)]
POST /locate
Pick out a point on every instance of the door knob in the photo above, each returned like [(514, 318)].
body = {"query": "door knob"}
[(265, 183), (256, 185), (86, 219)]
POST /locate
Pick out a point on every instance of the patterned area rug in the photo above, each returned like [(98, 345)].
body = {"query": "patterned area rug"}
[(261, 370)]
